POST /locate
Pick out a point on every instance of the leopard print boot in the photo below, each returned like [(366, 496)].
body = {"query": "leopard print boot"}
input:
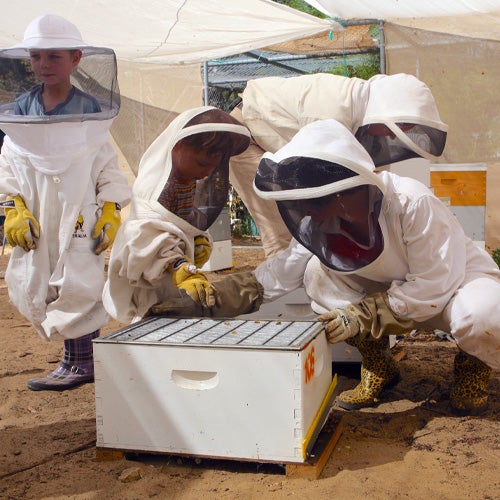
[(379, 370), (469, 395)]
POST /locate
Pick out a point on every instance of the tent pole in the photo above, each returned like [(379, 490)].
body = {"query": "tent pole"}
[(381, 36), (205, 83)]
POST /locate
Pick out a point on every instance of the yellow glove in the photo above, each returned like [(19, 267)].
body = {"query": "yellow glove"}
[(20, 226), (187, 277), (202, 250), (107, 226)]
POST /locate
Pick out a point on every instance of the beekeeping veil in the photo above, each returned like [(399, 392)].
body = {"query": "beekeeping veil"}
[(210, 193), (413, 128), (57, 137), (324, 165)]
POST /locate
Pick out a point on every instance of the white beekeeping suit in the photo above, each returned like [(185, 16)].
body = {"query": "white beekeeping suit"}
[(155, 236), (415, 249), (64, 168), (275, 109), (384, 256), (377, 255)]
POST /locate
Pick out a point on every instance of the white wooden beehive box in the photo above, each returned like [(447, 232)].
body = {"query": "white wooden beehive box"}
[(241, 389)]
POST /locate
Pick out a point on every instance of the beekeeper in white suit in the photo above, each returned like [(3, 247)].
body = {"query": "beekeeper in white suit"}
[(62, 189), (394, 116), (181, 187), (381, 255)]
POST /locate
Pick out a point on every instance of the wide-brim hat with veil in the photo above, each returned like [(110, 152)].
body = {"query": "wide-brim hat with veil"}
[(57, 138), (406, 107), (324, 159), (156, 164)]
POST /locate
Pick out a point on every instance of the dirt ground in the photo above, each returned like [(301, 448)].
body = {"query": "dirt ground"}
[(410, 446)]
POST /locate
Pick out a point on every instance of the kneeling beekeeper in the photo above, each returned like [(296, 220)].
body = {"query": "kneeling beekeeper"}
[(377, 254)]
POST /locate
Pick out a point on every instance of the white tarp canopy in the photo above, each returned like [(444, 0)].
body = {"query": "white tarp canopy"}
[(170, 31), (386, 9), (473, 18)]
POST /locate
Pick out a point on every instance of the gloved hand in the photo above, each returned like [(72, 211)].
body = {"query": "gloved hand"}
[(238, 293), (372, 317), (340, 324), (202, 250), (178, 307), (20, 226), (187, 277), (107, 226)]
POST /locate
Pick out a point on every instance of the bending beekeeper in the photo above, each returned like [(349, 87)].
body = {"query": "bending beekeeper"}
[(62, 189), (394, 117), (182, 186)]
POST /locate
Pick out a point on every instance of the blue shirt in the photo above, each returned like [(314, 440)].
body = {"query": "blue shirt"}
[(77, 103)]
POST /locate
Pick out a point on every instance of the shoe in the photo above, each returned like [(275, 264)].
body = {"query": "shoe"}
[(469, 395), (379, 371), (63, 378)]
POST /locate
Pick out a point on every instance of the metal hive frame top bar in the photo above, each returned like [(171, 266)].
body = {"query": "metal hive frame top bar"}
[(203, 332)]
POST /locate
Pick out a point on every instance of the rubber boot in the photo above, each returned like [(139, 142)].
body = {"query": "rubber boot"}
[(469, 395), (379, 370), (76, 368)]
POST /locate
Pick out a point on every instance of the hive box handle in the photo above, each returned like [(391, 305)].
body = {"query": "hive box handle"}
[(195, 380)]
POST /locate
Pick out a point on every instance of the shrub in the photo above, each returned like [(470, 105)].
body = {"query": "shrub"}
[(496, 256)]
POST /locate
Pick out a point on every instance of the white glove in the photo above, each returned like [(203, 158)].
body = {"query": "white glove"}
[(340, 324)]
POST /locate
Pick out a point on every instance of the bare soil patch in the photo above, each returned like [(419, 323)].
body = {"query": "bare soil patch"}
[(410, 446)]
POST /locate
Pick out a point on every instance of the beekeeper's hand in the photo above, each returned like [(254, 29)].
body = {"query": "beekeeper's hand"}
[(187, 277), (20, 226), (183, 307), (340, 324), (372, 317), (202, 250), (107, 226)]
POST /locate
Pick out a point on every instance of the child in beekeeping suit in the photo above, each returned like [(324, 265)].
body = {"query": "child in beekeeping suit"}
[(181, 187), (62, 189)]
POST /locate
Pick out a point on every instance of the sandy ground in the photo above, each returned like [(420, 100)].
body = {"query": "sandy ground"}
[(410, 446)]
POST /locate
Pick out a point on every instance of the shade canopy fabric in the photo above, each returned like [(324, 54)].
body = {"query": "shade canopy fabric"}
[(471, 18), (170, 31), (386, 9)]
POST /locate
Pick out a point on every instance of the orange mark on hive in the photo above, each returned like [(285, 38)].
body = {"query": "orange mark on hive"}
[(309, 365)]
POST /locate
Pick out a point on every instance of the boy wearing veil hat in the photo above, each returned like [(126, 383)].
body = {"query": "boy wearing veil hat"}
[(181, 187), (62, 190)]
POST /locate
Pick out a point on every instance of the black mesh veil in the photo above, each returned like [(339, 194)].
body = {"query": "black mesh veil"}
[(324, 204), (96, 74), (298, 173), (211, 195), (387, 149)]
